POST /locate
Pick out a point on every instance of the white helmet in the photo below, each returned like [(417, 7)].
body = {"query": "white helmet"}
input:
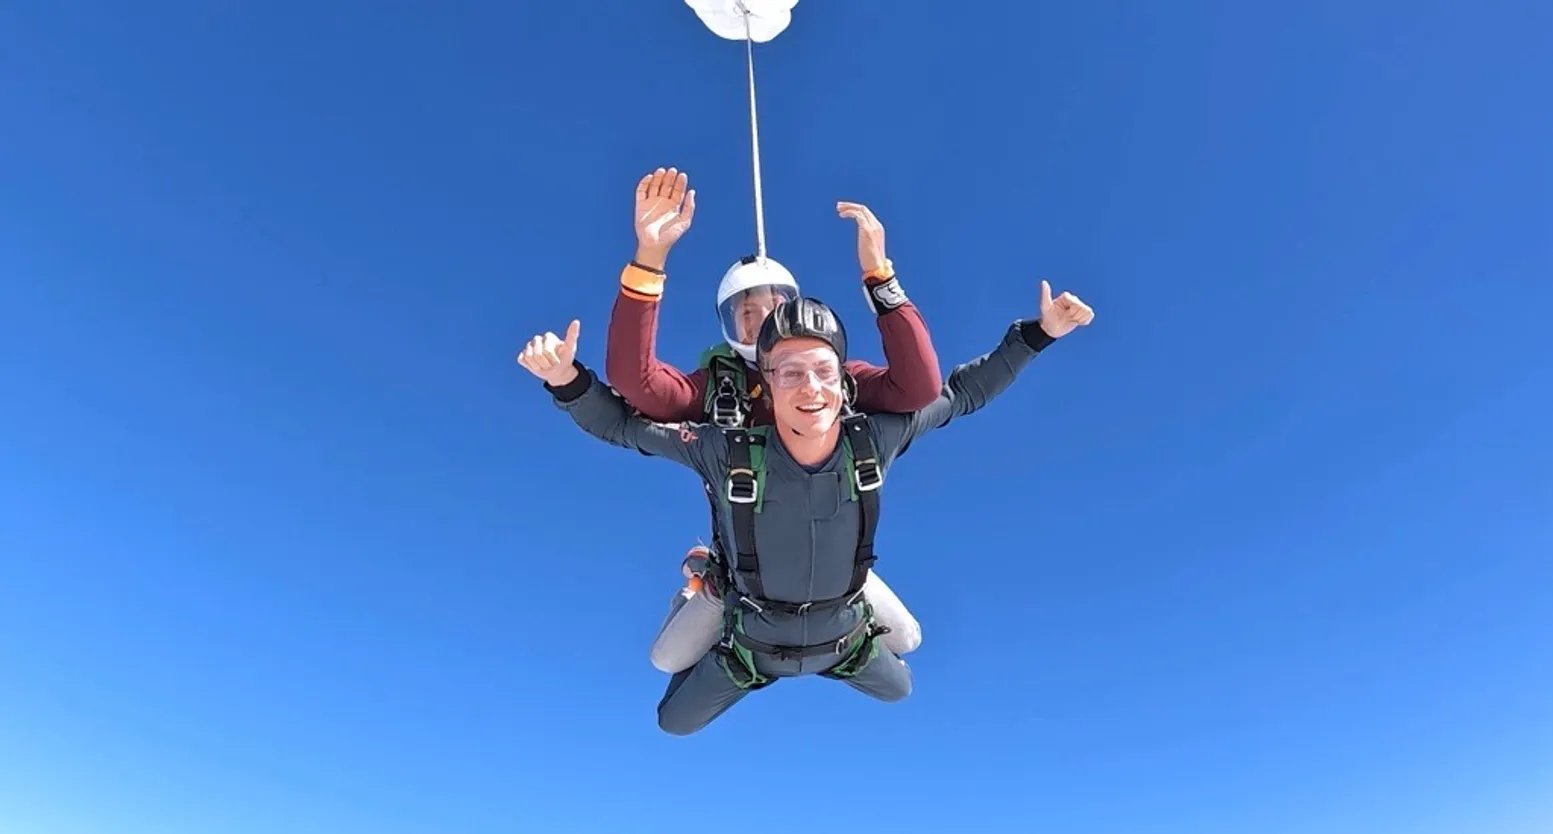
[(751, 279)]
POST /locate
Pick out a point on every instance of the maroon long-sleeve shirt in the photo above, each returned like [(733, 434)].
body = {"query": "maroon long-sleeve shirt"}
[(660, 391)]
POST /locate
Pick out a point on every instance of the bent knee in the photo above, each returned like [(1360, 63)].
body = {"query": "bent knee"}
[(667, 659), (895, 683), (675, 723), (897, 693), (905, 640)]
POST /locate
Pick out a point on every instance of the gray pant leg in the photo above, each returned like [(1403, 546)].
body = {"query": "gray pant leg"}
[(886, 677), (697, 696), (693, 627)]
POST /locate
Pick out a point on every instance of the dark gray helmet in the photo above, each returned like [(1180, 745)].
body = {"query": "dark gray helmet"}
[(802, 316)]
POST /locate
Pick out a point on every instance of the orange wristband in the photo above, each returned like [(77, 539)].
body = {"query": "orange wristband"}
[(641, 283), (880, 275)]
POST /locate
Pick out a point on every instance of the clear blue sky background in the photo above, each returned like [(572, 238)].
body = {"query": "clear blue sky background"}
[(289, 544)]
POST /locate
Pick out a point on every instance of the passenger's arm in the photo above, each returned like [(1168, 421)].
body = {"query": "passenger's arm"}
[(911, 378), (602, 413), (665, 207), (656, 389), (972, 385)]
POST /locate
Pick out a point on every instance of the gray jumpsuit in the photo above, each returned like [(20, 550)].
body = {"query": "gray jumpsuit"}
[(807, 530)]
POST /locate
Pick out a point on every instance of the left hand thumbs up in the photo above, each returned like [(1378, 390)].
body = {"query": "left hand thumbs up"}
[(1061, 315)]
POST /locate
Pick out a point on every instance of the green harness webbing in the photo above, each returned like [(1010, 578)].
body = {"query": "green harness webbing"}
[(736, 652)]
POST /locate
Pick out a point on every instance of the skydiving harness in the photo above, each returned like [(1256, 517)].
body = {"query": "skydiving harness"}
[(744, 490), (727, 400), (726, 404)]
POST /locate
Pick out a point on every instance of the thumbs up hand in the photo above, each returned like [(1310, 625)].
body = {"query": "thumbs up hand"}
[(550, 358), (1060, 316)]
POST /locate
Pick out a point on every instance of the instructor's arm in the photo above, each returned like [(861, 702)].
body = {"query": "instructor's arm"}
[(911, 378), (664, 210)]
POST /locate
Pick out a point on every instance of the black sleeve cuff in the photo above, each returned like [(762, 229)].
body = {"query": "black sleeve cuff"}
[(574, 389), (885, 297), (1032, 334)]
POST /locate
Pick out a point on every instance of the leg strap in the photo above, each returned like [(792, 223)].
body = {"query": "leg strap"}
[(737, 661), (862, 654)]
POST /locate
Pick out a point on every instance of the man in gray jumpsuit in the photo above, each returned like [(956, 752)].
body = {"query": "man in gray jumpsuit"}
[(802, 519)]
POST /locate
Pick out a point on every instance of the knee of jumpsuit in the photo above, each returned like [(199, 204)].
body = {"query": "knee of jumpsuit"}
[(675, 725), (709, 695), (886, 677)]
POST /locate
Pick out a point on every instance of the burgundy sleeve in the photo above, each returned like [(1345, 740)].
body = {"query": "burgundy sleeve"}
[(911, 380), (658, 390)]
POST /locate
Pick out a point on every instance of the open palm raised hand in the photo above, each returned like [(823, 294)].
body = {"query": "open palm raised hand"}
[(870, 235), (664, 209)]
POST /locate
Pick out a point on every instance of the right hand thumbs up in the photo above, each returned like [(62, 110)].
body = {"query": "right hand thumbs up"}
[(550, 358)]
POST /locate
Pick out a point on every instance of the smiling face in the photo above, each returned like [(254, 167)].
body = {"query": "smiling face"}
[(804, 376)]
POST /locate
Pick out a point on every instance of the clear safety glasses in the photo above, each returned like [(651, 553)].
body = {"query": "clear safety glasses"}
[(792, 369)]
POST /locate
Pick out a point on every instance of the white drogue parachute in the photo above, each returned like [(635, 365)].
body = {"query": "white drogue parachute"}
[(737, 20)]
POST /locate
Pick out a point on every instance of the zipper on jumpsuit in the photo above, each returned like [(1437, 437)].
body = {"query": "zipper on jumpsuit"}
[(808, 594)]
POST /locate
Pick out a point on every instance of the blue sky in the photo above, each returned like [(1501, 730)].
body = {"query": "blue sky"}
[(288, 543)]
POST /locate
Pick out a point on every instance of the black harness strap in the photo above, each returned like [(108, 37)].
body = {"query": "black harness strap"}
[(726, 405), (867, 477), (717, 566), (741, 499)]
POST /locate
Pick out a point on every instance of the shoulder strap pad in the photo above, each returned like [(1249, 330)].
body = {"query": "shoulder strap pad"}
[(719, 349)]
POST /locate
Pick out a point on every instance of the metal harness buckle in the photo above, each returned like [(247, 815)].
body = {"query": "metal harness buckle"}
[(725, 405), (741, 490), (866, 474)]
